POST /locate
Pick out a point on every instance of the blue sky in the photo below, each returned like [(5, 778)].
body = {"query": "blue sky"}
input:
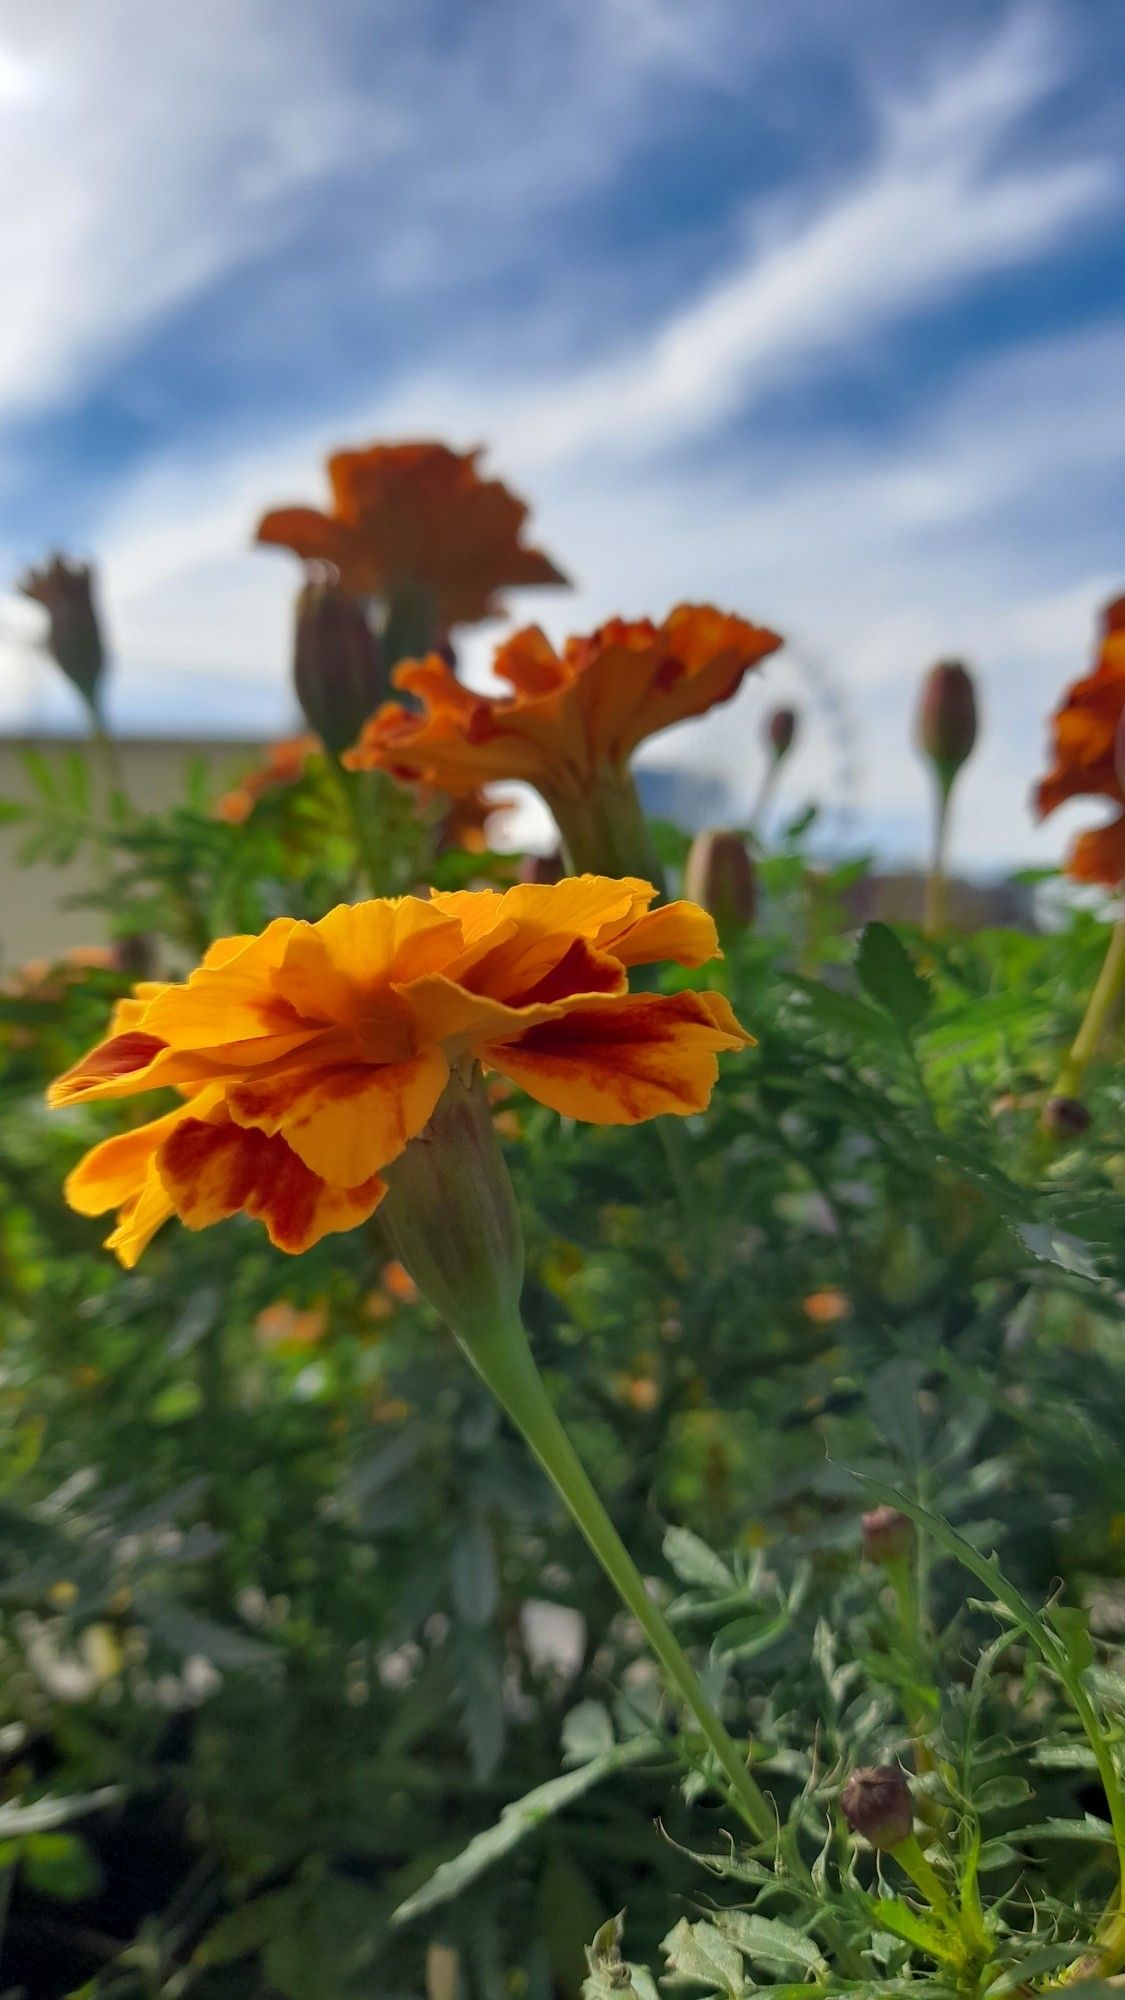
[(815, 310)]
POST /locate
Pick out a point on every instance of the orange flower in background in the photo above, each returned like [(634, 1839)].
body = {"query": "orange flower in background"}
[(309, 1057), (1088, 755), (285, 765), (575, 717), (417, 517)]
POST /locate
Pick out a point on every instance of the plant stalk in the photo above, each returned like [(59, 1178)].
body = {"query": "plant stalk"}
[(604, 831), (503, 1360), (935, 915), (1101, 1012)]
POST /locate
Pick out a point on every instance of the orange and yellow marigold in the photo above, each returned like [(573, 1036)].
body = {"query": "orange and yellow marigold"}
[(308, 1058), (1089, 755), (573, 718), (419, 517)]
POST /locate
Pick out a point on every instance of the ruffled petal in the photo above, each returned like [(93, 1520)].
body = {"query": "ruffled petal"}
[(213, 1170), (622, 1061), (347, 1121)]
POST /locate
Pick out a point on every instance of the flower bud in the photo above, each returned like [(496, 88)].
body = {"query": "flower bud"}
[(876, 1803), (947, 719), (66, 591), (720, 876), (781, 732), (542, 868), (337, 670), (450, 1215), (1065, 1117), (888, 1536)]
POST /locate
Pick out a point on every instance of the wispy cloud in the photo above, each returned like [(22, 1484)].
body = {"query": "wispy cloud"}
[(930, 213), (977, 521)]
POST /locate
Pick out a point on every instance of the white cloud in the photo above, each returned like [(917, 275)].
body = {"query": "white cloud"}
[(959, 534)]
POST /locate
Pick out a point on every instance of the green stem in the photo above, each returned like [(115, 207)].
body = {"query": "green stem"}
[(936, 909), (604, 830), (350, 785), (910, 1620), (503, 1359), (1100, 1012), (913, 1862)]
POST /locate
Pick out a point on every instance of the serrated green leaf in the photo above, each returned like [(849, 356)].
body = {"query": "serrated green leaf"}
[(701, 1953), (766, 1942)]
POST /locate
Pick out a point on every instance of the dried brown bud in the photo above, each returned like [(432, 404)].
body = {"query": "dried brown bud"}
[(888, 1536), (65, 589), (947, 718), (1065, 1117), (338, 671), (781, 732), (876, 1802), (720, 875)]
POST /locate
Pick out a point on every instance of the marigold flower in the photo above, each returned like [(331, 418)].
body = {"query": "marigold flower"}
[(309, 1057), (1086, 730), (573, 717), (417, 517), (573, 720)]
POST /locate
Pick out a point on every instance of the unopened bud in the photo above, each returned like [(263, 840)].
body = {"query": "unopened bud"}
[(888, 1536), (876, 1803), (781, 732), (450, 1215), (542, 868), (720, 876), (338, 672), (65, 589), (947, 718), (1065, 1117)]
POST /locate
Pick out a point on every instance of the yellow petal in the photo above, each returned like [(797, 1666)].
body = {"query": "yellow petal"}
[(619, 1062), (139, 1220), (212, 1170), (347, 1121), (115, 1171), (681, 932)]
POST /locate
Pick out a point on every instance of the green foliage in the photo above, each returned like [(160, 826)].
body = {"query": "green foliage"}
[(305, 1673)]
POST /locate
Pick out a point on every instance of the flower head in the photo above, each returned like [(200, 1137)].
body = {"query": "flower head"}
[(1086, 732), (65, 589), (574, 718), (417, 517), (308, 1058)]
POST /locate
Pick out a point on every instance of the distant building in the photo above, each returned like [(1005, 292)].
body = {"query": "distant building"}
[(36, 919)]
